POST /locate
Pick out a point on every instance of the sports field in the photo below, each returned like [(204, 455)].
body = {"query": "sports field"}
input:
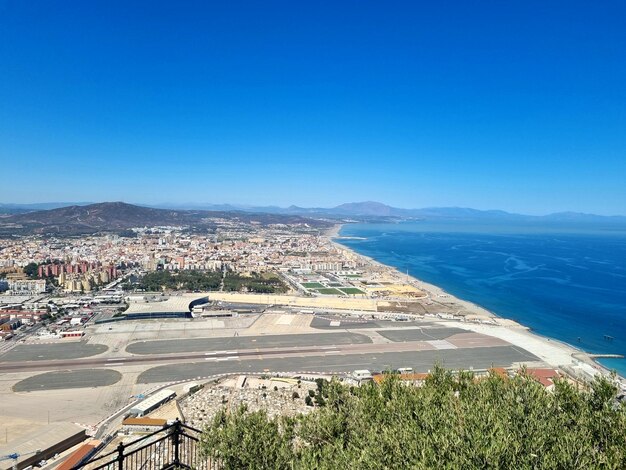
[(312, 285), (351, 290), (328, 291)]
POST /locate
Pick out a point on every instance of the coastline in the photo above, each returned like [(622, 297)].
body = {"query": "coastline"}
[(554, 352)]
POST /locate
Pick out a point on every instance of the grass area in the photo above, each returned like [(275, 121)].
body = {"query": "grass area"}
[(335, 284), (264, 283), (328, 291), (353, 275), (312, 285), (351, 290)]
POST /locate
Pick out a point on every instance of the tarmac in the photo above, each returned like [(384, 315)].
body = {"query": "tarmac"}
[(336, 323), (245, 342), (420, 361), (62, 350), (421, 334), (88, 380), (69, 379)]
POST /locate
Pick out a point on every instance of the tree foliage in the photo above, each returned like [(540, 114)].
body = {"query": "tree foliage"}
[(452, 422), (210, 281), (186, 280), (260, 283), (31, 270)]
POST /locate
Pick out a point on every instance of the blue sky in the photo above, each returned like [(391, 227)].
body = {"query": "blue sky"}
[(518, 106)]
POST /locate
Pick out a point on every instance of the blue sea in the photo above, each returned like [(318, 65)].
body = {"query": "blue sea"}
[(565, 284)]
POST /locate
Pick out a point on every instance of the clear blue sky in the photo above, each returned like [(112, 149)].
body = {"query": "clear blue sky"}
[(515, 105)]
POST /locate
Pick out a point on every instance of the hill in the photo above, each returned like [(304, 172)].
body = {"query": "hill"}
[(115, 216), (121, 215)]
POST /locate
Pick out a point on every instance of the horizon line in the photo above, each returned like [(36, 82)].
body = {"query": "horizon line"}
[(236, 206)]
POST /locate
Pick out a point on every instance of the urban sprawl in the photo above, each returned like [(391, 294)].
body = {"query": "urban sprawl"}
[(112, 335)]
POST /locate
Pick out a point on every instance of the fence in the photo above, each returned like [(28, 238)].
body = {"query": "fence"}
[(175, 446)]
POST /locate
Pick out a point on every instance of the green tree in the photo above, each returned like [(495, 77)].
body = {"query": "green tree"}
[(249, 440), (31, 270), (453, 421)]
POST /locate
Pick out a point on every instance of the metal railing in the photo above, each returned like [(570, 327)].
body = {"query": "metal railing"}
[(172, 447)]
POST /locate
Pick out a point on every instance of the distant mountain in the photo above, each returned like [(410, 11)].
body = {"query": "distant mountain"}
[(365, 208), (113, 216), (583, 218), (83, 218), (4, 211), (40, 206), (377, 209)]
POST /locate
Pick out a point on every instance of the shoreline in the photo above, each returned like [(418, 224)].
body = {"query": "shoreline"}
[(575, 354)]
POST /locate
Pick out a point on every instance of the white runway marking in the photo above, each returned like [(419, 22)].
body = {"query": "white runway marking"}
[(229, 358), (284, 320), (441, 344)]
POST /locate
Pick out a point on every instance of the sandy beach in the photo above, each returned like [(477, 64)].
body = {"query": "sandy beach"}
[(553, 352)]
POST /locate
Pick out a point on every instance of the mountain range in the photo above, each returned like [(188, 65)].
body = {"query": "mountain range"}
[(116, 216), (86, 218), (377, 209)]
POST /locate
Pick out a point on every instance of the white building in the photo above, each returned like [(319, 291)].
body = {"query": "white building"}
[(27, 286), (153, 402)]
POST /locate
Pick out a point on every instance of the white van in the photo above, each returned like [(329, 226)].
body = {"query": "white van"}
[(362, 375)]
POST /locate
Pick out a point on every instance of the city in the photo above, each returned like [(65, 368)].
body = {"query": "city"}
[(258, 310), (315, 236)]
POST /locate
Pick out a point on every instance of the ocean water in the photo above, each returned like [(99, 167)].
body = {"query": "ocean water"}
[(568, 285)]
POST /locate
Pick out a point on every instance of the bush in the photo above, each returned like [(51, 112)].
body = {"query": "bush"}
[(450, 422)]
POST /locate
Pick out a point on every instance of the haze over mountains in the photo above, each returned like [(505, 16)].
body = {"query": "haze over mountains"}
[(115, 216), (84, 217)]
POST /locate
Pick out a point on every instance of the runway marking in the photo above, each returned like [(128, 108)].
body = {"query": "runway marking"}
[(116, 364), (441, 344), (229, 358), (284, 320)]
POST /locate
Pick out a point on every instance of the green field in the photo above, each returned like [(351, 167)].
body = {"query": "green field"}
[(312, 285), (335, 284), (351, 290), (328, 291)]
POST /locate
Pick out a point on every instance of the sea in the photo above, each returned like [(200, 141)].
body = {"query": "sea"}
[(566, 283)]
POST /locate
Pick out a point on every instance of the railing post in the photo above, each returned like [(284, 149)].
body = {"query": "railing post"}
[(120, 456), (176, 442)]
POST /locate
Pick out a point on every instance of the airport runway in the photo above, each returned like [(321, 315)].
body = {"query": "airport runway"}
[(329, 360), (422, 361), (317, 353)]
